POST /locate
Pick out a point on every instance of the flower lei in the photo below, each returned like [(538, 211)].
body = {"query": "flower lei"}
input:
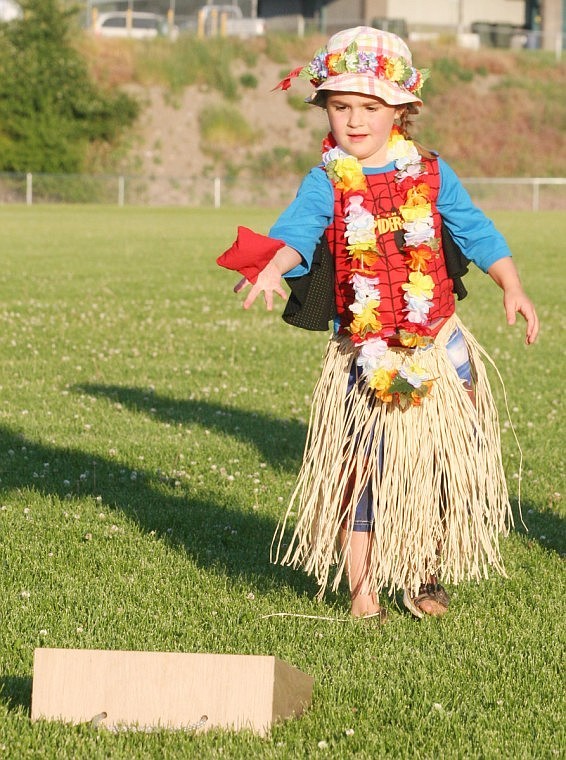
[(407, 383)]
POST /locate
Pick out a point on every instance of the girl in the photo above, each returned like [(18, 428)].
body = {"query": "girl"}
[(402, 480)]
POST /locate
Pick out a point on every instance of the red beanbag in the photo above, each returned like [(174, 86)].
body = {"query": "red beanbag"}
[(249, 253)]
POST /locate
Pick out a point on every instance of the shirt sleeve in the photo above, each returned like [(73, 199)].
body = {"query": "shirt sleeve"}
[(303, 222), (471, 229)]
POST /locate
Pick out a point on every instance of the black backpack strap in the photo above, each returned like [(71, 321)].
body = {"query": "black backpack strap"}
[(312, 304), (456, 263)]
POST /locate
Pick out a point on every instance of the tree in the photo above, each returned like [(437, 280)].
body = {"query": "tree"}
[(50, 109)]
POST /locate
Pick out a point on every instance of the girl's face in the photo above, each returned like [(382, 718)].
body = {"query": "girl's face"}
[(361, 125)]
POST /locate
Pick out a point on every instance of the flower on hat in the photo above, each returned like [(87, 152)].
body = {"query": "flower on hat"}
[(335, 64), (395, 69), (354, 61)]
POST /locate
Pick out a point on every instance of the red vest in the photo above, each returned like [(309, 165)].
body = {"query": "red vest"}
[(383, 200)]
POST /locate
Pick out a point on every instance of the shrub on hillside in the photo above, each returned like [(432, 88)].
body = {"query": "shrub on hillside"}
[(50, 110), (222, 129)]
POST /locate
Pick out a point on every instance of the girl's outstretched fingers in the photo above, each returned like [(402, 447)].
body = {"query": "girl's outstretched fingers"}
[(241, 285)]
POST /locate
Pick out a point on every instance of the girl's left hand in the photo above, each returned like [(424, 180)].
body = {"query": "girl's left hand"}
[(515, 301)]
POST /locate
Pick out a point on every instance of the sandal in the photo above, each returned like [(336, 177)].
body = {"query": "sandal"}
[(433, 592), (380, 616)]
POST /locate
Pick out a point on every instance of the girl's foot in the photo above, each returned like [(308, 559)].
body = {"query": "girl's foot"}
[(432, 600), (366, 606)]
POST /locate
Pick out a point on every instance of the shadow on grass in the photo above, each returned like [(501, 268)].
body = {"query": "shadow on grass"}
[(15, 692), (207, 525), (217, 534), (542, 526), (262, 431)]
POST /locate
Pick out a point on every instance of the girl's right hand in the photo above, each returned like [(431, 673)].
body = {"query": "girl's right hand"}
[(268, 282)]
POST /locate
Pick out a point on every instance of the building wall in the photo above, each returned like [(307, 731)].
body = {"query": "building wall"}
[(448, 12)]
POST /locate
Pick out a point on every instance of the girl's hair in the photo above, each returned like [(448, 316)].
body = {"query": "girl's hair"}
[(406, 119), (405, 122)]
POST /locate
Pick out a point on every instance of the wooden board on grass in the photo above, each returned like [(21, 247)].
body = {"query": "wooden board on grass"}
[(145, 690)]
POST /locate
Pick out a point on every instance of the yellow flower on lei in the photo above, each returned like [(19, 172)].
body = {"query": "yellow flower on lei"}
[(365, 257), (419, 285), (350, 174), (395, 137), (412, 340), (366, 320), (381, 381), (413, 213)]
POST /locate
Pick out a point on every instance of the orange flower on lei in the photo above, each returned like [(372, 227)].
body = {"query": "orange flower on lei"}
[(418, 196), (419, 258)]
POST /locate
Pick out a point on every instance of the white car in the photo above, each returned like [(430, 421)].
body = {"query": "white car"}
[(143, 26)]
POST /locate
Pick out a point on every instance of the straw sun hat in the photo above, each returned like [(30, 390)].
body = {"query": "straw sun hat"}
[(366, 61)]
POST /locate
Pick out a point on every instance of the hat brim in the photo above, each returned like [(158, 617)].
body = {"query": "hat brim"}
[(363, 84)]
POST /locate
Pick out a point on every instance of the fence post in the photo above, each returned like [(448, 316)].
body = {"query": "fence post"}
[(29, 189), (536, 194), (217, 192), (121, 190)]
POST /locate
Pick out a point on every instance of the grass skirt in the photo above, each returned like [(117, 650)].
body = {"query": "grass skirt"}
[(439, 494)]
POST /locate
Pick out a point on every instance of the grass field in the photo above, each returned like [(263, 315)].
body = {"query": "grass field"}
[(150, 433)]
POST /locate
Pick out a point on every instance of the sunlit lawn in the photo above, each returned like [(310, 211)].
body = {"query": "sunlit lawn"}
[(150, 433)]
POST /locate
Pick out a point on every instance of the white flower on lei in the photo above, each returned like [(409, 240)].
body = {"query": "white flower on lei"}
[(371, 355), (417, 309), (414, 374), (365, 288), (333, 155), (355, 207), (418, 231), (413, 171), (403, 153), (360, 224)]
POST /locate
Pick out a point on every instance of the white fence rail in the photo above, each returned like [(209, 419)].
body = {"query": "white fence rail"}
[(520, 193)]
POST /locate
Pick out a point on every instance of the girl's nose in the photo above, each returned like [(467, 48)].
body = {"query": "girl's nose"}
[(355, 118)]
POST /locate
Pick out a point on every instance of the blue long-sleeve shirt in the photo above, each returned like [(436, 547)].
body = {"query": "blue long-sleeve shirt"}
[(304, 221)]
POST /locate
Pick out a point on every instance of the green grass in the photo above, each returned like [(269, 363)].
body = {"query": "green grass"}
[(150, 433)]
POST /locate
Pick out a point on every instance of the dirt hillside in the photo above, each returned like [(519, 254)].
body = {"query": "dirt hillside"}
[(495, 113)]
